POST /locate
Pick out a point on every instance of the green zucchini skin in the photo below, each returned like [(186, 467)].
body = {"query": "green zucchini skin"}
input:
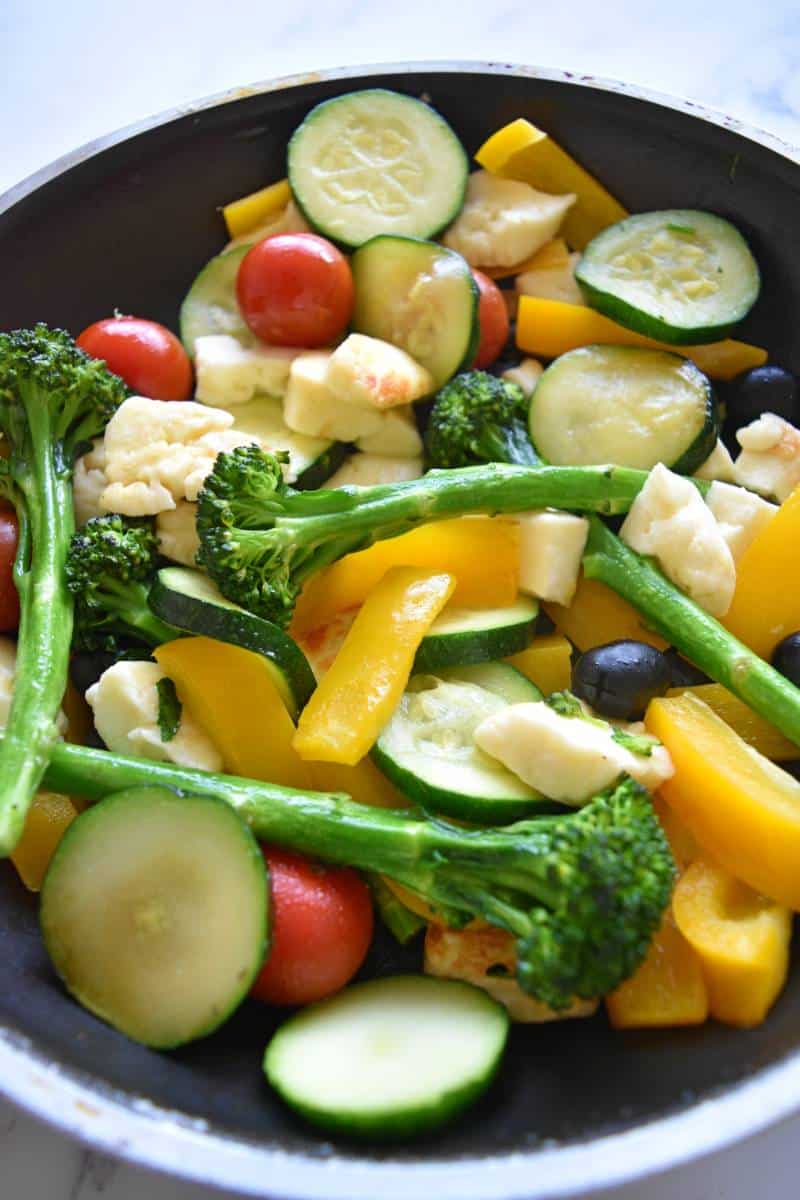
[(318, 472), (195, 606), (725, 266), (486, 637), (210, 306), (116, 904), (291, 1063)]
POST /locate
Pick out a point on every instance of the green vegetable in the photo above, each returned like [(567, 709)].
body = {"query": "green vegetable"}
[(170, 709), (402, 923), (691, 630), (478, 418), (565, 704), (260, 539), (53, 400), (637, 743), (582, 894), (109, 570), (477, 635), (211, 307)]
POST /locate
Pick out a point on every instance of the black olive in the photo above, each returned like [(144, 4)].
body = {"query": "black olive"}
[(86, 667), (764, 389), (786, 658), (621, 678), (684, 673)]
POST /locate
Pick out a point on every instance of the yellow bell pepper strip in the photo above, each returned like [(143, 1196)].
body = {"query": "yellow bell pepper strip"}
[(231, 694), (682, 842), (548, 328), (48, 818), (742, 809), (247, 213), (547, 662), (741, 938), (521, 151), (361, 690), (667, 990), (753, 729), (363, 783), (462, 547), (554, 253), (597, 616), (766, 603)]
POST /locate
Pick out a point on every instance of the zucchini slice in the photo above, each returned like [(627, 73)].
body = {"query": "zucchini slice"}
[(428, 749), (375, 162), (624, 405), (190, 601), (154, 912), (389, 1058), (470, 635), (210, 306), (680, 276), (419, 296), (312, 460)]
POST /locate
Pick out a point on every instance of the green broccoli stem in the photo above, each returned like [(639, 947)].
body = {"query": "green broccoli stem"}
[(128, 599), (691, 630), (402, 923)]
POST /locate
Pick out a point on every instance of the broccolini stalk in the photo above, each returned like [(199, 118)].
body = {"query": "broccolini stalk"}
[(53, 400), (691, 630), (582, 893), (402, 923), (260, 539)]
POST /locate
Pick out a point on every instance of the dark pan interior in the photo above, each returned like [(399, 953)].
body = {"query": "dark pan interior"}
[(128, 229)]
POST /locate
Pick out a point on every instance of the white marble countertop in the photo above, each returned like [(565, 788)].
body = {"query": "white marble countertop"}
[(74, 71)]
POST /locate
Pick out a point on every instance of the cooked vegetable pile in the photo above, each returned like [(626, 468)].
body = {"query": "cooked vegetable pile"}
[(350, 633)]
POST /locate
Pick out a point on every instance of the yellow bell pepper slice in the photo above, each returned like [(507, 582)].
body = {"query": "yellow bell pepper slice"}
[(742, 809), (751, 727), (521, 151), (667, 990), (547, 662), (741, 938), (547, 328), (554, 253), (361, 690), (766, 603), (48, 819), (231, 694), (462, 546), (597, 615), (243, 215), (363, 783), (682, 842)]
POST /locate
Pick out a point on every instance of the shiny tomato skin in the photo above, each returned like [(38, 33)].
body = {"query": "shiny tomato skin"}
[(9, 600), (145, 354), (492, 320), (321, 929), (295, 289)]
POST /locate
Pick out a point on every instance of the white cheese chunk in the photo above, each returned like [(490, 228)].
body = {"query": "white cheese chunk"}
[(740, 515), (311, 407), (365, 470), (124, 702), (176, 531), (552, 283), (371, 373), (526, 374), (396, 436), (503, 221), (718, 465), (229, 374), (670, 521), (551, 546), (770, 459), (567, 759)]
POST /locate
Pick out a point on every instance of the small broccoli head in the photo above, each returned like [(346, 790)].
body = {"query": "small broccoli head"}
[(478, 418), (44, 373)]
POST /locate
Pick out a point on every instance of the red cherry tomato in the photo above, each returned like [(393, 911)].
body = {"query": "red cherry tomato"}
[(9, 600), (147, 356), (492, 320), (321, 929), (295, 289)]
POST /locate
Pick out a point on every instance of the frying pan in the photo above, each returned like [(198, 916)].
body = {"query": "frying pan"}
[(125, 223)]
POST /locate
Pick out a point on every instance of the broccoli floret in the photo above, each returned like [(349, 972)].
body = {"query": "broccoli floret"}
[(260, 539), (53, 400), (110, 567), (478, 418)]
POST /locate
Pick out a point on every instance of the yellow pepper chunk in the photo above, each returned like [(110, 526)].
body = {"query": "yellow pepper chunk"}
[(667, 990), (597, 616), (742, 809), (742, 940), (48, 818), (682, 842), (766, 603), (547, 328), (361, 690), (554, 253), (547, 662), (241, 216), (363, 783), (463, 546), (751, 727), (231, 694), (521, 151)]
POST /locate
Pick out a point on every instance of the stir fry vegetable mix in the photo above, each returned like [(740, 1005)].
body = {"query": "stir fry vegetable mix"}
[(589, 813)]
